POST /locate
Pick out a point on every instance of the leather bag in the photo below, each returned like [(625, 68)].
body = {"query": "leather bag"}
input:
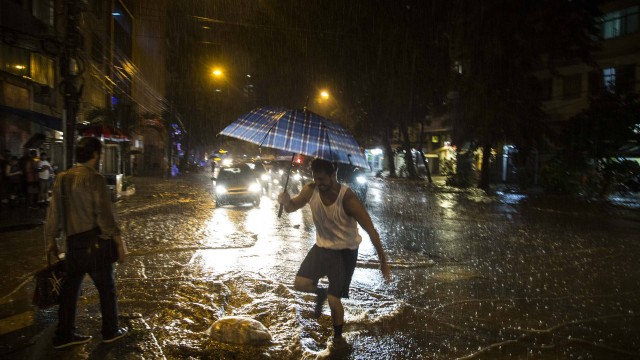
[(49, 285)]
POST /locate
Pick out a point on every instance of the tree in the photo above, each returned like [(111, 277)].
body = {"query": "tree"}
[(499, 102), (600, 131), (402, 70)]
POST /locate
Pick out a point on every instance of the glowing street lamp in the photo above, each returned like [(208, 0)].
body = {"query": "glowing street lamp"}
[(217, 72), (324, 94)]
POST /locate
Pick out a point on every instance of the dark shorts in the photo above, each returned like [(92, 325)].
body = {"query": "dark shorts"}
[(336, 265)]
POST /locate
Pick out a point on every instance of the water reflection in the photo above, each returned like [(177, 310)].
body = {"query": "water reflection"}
[(474, 276), (510, 198)]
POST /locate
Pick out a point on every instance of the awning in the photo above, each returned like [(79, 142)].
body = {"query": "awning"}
[(35, 141), (51, 122), (105, 132)]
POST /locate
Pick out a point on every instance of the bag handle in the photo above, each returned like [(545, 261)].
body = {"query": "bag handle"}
[(63, 199)]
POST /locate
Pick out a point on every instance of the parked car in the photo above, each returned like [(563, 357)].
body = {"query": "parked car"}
[(236, 184), (356, 178)]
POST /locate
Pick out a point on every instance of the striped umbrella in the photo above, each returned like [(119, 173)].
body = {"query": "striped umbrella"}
[(298, 131)]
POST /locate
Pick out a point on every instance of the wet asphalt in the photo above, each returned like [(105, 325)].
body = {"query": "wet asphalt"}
[(484, 276)]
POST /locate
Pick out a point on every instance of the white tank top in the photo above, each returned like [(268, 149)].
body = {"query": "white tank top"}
[(334, 228)]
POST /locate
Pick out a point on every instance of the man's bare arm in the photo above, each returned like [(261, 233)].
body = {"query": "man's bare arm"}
[(354, 208), (298, 201)]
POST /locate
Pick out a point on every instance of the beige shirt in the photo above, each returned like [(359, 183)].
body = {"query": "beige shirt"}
[(88, 204)]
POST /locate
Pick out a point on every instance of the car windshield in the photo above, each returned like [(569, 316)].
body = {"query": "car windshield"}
[(235, 172), (257, 167)]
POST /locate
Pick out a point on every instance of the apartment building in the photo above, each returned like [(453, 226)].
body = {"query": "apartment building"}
[(120, 62), (31, 107), (567, 91)]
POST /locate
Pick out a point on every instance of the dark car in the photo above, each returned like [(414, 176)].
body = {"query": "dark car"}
[(356, 178), (298, 176), (237, 184)]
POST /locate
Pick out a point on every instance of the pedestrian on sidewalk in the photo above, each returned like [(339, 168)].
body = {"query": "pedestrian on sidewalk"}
[(44, 173), (14, 180), (28, 163), (336, 212), (87, 206)]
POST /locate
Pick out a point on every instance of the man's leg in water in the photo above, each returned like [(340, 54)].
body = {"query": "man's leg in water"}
[(337, 315), (304, 284)]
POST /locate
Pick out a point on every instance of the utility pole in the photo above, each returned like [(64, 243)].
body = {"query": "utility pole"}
[(71, 70)]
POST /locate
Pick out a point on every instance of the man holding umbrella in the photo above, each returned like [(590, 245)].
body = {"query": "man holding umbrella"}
[(336, 214)]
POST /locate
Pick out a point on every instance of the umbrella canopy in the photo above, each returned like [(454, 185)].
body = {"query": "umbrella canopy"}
[(298, 131)]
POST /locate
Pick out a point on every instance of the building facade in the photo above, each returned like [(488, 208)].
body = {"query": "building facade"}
[(567, 91), (31, 108), (119, 62)]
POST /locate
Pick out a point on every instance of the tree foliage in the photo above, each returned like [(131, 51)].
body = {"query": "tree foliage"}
[(499, 99), (611, 121), (389, 63)]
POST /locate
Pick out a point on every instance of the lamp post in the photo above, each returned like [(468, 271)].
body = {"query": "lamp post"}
[(218, 77), (72, 78), (325, 103), (237, 89)]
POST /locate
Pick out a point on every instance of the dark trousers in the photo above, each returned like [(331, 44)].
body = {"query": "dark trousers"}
[(79, 264)]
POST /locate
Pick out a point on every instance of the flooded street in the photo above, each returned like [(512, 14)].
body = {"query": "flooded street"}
[(145, 103), (495, 276), (474, 276)]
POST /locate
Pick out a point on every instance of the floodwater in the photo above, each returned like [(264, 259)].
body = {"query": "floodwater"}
[(474, 275), (501, 276)]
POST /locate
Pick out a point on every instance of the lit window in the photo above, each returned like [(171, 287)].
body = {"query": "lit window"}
[(14, 60), (457, 66), (44, 10), (42, 70), (609, 75), (619, 23)]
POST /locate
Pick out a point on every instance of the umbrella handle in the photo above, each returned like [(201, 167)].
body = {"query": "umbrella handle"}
[(286, 183)]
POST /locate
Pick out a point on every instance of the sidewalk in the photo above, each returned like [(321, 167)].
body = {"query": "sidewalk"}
[(20, 217), (27, 332)]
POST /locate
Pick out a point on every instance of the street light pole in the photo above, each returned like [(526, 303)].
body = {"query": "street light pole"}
[(72, 77), (218, 75)]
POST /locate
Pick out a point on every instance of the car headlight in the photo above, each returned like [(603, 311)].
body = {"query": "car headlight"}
[(221, 190), (255, 187), (361, 179), (264, 177), (280, 172), (296, 177), (275, 181)]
